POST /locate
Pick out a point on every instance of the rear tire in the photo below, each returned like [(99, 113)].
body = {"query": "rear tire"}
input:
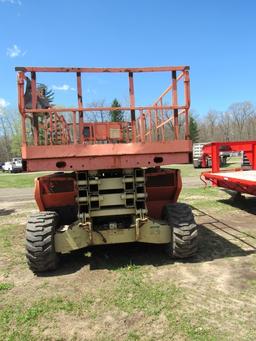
[(197, 164), (40, 251), (184, 230)]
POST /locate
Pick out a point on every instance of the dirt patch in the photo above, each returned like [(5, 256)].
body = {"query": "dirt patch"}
[(114, 325), (16, 194)]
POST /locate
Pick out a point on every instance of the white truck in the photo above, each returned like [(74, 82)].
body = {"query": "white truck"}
[(13, 166)]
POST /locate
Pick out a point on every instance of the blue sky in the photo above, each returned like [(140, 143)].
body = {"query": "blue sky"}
[(215, 38)]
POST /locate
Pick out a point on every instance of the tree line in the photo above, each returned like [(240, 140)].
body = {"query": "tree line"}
[(238, 122), (10, 134)]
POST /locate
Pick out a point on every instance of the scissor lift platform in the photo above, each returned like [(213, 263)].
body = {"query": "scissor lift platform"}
[(67, 139)]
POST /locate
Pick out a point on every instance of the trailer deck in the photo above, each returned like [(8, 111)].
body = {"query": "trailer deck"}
[(242, 176), (239, 181)]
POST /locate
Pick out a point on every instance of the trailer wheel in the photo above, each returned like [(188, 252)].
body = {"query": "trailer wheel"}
[(184, 241), (197, 164), (40, 252)]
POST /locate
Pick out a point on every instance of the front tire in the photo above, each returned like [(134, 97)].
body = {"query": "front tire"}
[(184, 230), (40, 251)]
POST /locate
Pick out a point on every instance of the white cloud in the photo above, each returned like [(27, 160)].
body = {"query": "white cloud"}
[(3, 105), (64, 87), (14, 51), (90, 91), (12, 2)]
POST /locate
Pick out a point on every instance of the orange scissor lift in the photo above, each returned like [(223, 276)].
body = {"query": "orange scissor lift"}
[(110, 185)]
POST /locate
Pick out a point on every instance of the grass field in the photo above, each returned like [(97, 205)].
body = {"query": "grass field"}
[(135, 292), (23, 180), (19, 180)]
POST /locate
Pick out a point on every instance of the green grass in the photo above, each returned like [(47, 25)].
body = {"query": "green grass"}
[(20, 180), (9, 234), (5, 286), (207, 198), (11, 247), (133, 292), (129, 290), (6, 234), (18, 321), (215, 200), (188, 170)]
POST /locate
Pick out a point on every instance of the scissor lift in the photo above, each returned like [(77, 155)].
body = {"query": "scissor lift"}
[(110, 186)]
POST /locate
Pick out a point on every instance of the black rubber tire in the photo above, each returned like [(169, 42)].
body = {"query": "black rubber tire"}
[(40, 252), (197, 164), (184, 230)]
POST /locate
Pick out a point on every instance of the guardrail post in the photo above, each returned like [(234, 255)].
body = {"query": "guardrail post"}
[(132, 105), (80, 104), (34, 104), (74, 128), (215, 158), (175, 103)]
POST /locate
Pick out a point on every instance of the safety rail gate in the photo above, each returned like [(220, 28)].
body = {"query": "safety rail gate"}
[(157, 134), (242, 180)]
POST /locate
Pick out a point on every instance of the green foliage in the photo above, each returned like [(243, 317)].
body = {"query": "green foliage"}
[(116, 115), (193, 129), (49, 94), (10, 127), (10, 134), (16, 144), (6, 286)]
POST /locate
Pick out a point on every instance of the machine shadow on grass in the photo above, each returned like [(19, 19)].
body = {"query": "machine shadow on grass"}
[(245, 203), (211, 246), (5, 212), (218, 239)]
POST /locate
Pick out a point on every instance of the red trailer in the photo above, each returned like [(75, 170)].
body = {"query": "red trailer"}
[(110, 186), (241, 180)]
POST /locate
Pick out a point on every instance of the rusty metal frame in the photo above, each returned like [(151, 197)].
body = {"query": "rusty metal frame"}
[(100, 69), (148, 128)]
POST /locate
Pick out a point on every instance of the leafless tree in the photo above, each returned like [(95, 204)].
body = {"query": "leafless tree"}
[(10, 134), (241, 113), (212, 119), (225, 125), (237, 123), (97, 116)]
